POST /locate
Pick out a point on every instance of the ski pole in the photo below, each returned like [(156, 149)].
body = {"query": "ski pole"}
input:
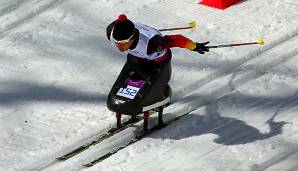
[(260, 42), (190, 26)]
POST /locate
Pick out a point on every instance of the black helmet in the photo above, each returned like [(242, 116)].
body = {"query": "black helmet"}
[(123, 28)]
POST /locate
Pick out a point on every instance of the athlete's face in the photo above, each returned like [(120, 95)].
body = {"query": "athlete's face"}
[(123, 46)]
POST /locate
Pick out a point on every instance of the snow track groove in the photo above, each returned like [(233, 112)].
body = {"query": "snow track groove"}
[(16, 18), (215, 17), (189, 104), (188, 89), (168, 9), (209, 151), (11, 7), (151, 15)]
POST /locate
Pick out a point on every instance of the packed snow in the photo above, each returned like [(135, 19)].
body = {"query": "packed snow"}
[(239, 104)]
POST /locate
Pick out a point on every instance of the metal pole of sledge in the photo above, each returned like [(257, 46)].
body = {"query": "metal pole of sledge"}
[(160, 120), (146, 118)]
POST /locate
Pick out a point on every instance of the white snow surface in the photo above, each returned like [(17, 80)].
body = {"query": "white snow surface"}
[(240, 104)]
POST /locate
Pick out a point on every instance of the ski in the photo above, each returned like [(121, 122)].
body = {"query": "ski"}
[(137, 138), (98, 139)]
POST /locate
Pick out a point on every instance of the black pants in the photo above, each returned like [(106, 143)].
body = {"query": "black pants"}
[(145, 69)]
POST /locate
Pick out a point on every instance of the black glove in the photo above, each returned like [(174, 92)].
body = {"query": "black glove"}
[(201, 48)]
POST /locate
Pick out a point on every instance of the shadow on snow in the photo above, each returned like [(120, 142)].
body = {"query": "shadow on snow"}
[(16, 92), (229, 131)]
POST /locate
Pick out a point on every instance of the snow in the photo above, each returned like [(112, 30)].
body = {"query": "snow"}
[(239, 104)]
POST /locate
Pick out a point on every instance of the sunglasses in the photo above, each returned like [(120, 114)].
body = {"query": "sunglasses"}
[(121, 41)]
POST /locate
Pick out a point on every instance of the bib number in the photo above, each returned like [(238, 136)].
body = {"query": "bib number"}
[(128, 92)]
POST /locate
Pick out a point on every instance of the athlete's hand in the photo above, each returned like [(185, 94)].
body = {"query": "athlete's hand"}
[(201, 48)]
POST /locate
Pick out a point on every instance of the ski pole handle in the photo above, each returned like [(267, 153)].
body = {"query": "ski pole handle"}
[(190, 26)]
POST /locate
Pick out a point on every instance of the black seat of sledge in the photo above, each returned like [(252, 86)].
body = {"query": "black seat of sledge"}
[(140, 86)]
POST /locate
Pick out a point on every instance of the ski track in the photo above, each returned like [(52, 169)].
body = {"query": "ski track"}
[(11, 7), (168, 11), (216, 149), (37, 7), (39, 125), (285, 38), (274, 63), (211, 150), (244, 79), (168, 8), (270, 164)]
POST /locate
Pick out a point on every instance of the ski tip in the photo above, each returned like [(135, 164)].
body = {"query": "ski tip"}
[(260, 41), (87, 165), (61, 158), (192, 24)]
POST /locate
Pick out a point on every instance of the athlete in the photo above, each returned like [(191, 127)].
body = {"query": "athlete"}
[(148, 60), (146, 46)]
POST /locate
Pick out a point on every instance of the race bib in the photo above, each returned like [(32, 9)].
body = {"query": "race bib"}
[(128, 92)]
